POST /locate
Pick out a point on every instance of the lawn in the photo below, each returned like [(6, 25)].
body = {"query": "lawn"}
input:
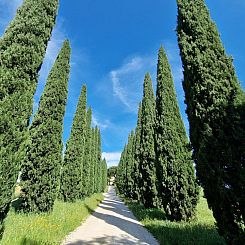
[(199, 231), (50, 228)]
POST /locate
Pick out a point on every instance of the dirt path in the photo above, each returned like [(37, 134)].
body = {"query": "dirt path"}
[(111, 223)]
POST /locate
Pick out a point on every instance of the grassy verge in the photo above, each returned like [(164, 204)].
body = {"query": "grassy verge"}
[(50, 228), (200, 231)]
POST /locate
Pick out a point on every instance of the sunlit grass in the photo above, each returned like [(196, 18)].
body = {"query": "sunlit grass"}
[(199, 231), (50, 228)]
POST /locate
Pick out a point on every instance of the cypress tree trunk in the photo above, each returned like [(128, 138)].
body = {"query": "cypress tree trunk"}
[(135, 172), (22, 49), (70, 188), (215, 108), (43, 147), (177, 186), (147, 185), (86, 188)]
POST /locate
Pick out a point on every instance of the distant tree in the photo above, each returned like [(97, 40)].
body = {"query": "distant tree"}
[(112, 171), (136, 151), (121, 171), (147, 171), (22, 49), (104, 175), (43, 148), (177, 186), (98, 180), (86, 175), (70, 187), (93, 161), (129, 190), (215, 109)]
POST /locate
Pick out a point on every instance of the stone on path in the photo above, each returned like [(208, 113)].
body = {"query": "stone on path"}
[(111, 223)]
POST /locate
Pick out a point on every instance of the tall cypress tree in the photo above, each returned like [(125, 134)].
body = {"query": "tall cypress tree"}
[(121, 172), (70, 187), (177, 186), (99, 161), (129, 166), (104, 175), (22, 49), (93, 161), (86, 188), (136, 161), (147, 171), (215, 108), (43, 147)]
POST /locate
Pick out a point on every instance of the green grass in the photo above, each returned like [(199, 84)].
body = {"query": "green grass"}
[(199, 231), (21, 229)]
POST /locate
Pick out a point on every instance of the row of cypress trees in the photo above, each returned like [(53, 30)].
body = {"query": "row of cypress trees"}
[(22, 49), (216, 112), (156, 166), (36, 150)]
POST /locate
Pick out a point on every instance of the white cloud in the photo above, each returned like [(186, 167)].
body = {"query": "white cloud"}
[(127, 80), (97, 122), (112, 158)]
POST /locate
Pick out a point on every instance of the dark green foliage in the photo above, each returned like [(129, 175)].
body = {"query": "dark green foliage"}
[(215, 108), (22, 49), (121, 173), (147, 171), (43, 147), (177, 186), (112, 171), (137, 148), (70, 187), (129, 161), (93, 161), (97, 157), (86, 175), (104, 175)]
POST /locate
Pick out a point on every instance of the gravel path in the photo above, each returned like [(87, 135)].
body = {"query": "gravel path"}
[(111, 223)]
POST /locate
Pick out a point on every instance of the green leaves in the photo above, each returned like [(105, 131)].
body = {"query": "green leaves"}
[(22, 49), (43, 149), (212, 92), (177, 187)]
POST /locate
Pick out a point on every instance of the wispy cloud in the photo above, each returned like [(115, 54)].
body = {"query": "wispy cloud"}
[(127, 80), (101, 124), (112, 158)]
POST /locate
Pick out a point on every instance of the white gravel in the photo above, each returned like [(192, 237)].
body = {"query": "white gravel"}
[(111, 223)]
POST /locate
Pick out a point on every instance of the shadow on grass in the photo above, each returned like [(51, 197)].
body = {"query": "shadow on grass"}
[(174, 233), (27, 241), (142, 213)]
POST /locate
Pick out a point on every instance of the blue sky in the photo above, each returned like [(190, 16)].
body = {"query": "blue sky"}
[(114, 43)]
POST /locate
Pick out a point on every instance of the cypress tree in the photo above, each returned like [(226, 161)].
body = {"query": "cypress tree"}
[(215, 108), (147, 171), (86, 188), (136, 152), (22, 49), (93, 161), (104, 175), (43, 147), (177, 186), (71, 186), (99, 161), (129, 166), (121, 172)]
